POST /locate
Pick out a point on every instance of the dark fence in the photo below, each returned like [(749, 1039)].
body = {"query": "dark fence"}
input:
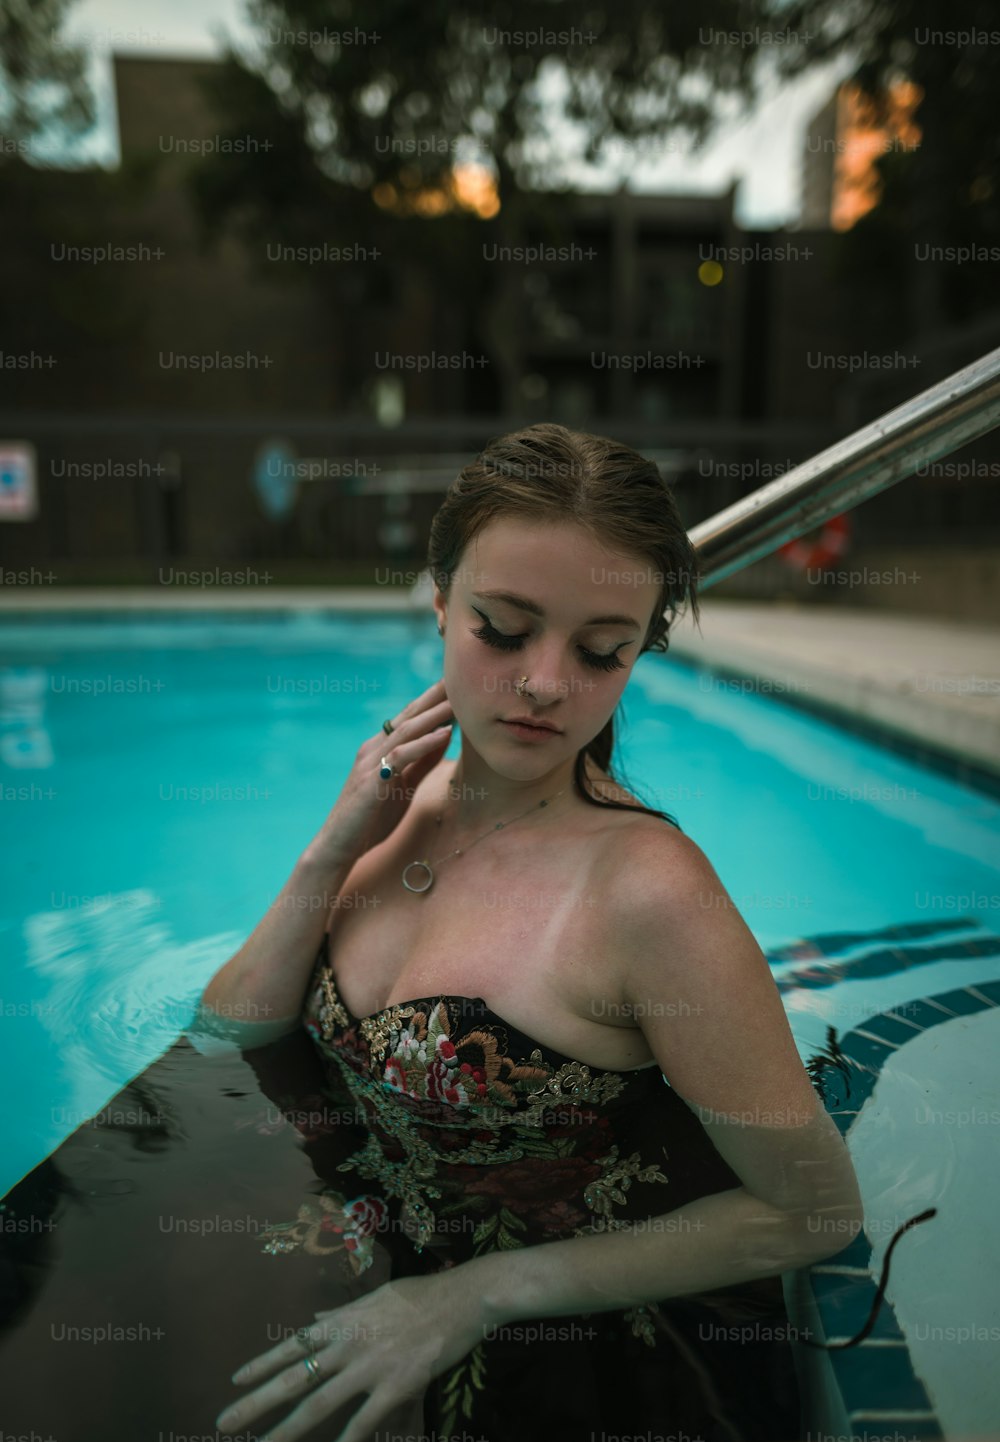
[(119, 496)]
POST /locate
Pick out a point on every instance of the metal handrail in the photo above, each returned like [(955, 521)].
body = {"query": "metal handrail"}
[(935, 422)]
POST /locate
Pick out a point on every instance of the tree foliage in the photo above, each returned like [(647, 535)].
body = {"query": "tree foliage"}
[(374, 85), (43, 83)]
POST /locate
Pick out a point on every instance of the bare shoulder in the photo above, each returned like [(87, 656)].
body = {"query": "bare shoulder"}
[(660, 881), (637, 834)]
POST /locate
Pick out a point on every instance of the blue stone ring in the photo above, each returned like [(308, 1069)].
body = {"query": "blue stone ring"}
[(386, 770)]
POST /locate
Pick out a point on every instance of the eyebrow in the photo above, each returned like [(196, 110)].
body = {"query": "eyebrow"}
[(533, 609)]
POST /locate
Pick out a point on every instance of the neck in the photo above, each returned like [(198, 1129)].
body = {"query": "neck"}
[(478, 797)]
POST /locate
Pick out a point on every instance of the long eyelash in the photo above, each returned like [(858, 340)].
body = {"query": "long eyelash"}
[(496, 638), (603, 663), (488, 633)]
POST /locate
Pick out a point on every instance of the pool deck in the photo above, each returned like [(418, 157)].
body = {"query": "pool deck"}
[(925, 682), (911, 680)]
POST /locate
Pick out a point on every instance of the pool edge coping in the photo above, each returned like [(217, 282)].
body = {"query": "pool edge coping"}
[(963, 748)]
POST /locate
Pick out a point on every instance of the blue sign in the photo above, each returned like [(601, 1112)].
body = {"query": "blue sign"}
[(275, 478), (18, 495)]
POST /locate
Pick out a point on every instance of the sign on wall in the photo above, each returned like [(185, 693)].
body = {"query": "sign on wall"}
[(18, 492), (275, 478)]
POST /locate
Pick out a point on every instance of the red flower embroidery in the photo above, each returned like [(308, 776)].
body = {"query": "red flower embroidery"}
[(395, 1074), (440, 1083), (545, 1190), (365, 1214)]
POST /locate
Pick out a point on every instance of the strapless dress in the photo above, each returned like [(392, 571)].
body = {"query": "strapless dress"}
[(225, 1196), (474, 1136)]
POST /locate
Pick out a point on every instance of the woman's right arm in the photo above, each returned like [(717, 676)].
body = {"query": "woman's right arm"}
[(264, 982), (259, 993)]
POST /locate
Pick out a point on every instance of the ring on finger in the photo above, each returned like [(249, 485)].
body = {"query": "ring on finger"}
[(386, 769), (313, 1368), (388, 727), (304, 1339)]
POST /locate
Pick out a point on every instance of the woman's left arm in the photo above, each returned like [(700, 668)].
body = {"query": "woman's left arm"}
[(702, 991)]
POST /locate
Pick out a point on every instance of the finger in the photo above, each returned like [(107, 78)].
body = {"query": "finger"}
[(407, 753), (431, 697), (323, 1404), (423, 721), (288, 1351), (291, 1382), (366, 1419), (322, 1396), (423, 765)]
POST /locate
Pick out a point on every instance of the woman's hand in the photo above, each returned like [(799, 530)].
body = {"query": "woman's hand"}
[(370, 808), (391, 1343)]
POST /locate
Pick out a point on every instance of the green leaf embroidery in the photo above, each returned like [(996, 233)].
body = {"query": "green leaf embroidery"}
[(485, 1229), (470, 1369)]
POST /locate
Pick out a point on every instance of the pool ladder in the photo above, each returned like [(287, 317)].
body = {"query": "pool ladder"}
[(957, 410)]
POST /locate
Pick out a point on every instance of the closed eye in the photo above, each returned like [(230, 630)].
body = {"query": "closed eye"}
[(501, 641)]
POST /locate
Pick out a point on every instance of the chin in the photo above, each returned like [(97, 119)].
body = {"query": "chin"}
[(524, 763)]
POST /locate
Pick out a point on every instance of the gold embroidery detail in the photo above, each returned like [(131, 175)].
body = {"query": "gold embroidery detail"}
[(378, 1030), (642, 1322), (573, 1082), (615, 1179), (331, 1009)]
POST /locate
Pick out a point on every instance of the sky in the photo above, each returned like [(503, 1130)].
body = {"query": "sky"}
[(762, 151)]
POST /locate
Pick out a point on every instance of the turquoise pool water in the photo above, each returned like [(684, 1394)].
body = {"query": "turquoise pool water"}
[(162, 774)]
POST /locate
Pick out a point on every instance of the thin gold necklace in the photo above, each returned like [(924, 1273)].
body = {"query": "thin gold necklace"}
[(499, 826)]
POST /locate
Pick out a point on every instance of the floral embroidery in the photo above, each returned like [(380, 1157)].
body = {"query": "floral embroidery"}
[(468, 1136), (331, 1224), (446, 1098)]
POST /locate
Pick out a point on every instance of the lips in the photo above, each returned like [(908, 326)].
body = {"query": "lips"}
[(526, 721)]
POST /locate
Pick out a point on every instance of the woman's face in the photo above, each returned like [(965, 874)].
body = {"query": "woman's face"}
[(576, 638)]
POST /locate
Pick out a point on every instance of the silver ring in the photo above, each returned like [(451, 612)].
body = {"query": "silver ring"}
[(388, 727), (312, 1367), (304, 1340), (386, 770)]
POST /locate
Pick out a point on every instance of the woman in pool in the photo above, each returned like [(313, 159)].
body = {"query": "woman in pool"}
[(549, 1014), (541, 1145)]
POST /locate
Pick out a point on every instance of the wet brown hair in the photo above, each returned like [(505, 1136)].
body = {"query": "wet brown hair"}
[(548, 473)]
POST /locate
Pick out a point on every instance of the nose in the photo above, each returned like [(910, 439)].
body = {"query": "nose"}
[(545, 684)]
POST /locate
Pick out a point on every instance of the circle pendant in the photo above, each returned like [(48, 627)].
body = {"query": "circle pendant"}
[(422, 866)]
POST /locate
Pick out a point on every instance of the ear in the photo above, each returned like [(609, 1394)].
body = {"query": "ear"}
[(440, 607)]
